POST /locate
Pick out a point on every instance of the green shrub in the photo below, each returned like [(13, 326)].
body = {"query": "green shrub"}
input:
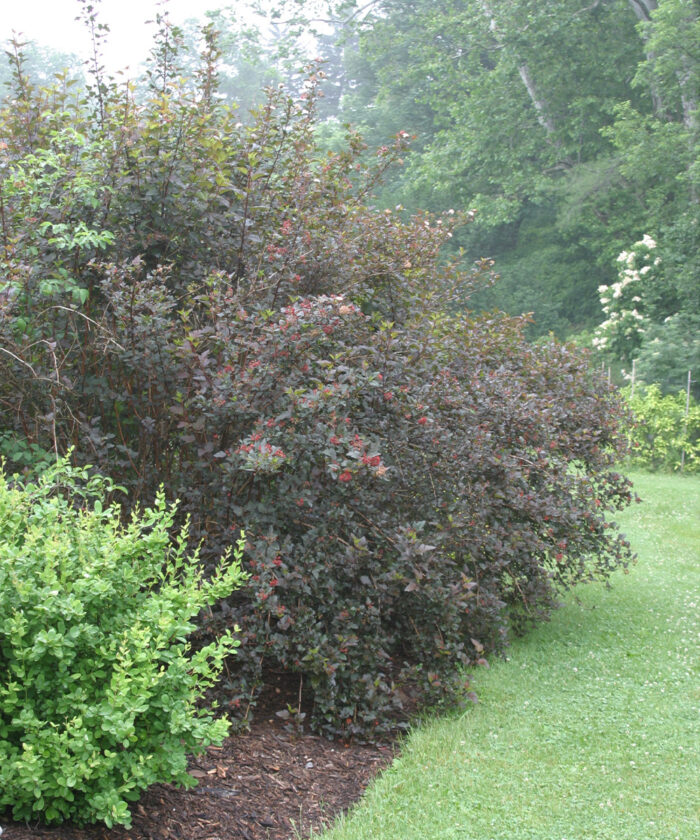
[(661, 433), (98, 685)]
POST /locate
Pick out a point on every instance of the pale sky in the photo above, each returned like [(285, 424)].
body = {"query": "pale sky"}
[(52, 23)]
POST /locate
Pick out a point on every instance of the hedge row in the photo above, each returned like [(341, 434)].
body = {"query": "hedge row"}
[(218, 307)]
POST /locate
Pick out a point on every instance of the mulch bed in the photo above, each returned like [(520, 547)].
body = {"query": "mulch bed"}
[(267, 784)]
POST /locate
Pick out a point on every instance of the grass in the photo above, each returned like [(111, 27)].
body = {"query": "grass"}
[(589, 730)]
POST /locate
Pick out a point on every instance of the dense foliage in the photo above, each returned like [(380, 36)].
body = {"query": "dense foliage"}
[(218, 307), (98, 686), (665, 434), (670, 351), (571, 126)]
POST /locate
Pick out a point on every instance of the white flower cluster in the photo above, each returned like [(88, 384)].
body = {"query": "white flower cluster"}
[(621, 332)]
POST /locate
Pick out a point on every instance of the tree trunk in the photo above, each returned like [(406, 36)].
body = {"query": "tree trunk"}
[(539, 104), (688, 98), (643, 10), (543, 117)]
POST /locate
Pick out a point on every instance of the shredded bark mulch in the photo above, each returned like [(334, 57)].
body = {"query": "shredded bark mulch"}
[(267, 784)]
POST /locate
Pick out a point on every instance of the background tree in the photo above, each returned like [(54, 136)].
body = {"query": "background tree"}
[(571, 128), (517, 96)]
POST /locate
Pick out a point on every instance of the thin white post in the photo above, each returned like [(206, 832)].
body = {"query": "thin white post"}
[(634, 374), (685, 420)]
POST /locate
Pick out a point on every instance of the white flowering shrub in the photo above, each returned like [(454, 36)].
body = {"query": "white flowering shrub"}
[(622, 333)]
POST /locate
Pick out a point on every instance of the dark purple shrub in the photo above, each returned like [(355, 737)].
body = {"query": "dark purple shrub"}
[(228, 315)]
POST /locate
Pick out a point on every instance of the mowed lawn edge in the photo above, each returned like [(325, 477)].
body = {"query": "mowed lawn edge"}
[(589, 729)]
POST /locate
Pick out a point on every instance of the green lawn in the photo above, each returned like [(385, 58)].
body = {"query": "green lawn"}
[(590, 730)]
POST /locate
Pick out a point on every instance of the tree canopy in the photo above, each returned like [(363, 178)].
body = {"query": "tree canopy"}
[(570, 126)]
